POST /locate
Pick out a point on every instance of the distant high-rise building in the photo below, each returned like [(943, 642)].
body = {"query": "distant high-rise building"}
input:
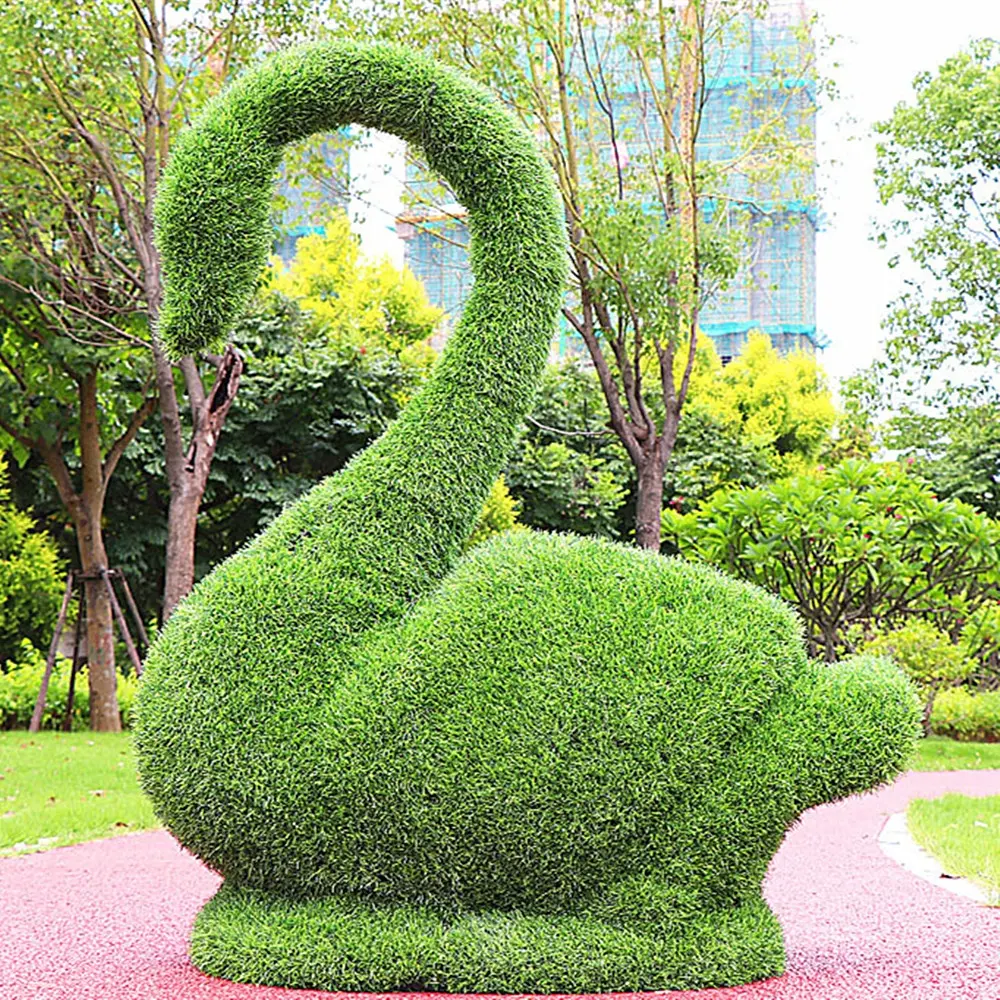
[(775, 290), (299, 199)]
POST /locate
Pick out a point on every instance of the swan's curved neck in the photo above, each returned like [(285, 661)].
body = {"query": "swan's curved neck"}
[(423, 481)]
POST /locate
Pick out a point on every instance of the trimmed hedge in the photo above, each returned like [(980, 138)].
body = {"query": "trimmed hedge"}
[(555, 765), (963, 715)]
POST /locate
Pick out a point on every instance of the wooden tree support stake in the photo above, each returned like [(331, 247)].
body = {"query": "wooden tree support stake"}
[(43, 691), (122, 625), (75, 581), (67, 723), (133, 607)]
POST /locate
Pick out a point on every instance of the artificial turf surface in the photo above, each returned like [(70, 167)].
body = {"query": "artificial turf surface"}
[(49, 781)]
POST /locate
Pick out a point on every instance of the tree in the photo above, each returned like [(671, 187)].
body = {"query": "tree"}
[(858, 545), (957, 451), (744, 425), (355, 301), (617, 93), (64, 400), (83, 138), (938, 168), (781, 405), (30, 577)]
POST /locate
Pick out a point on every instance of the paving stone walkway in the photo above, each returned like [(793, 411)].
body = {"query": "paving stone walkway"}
[(109, 920)]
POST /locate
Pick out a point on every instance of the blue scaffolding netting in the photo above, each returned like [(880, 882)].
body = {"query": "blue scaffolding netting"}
[(775, 289)]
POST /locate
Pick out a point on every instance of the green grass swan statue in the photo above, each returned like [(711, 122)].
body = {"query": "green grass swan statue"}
[(552, 765)]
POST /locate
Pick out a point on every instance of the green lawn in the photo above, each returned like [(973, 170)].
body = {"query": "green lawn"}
[(936, 753), (963, 834), (61, 788)]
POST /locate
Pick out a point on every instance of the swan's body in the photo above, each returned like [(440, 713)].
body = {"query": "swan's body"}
[(561, 765)]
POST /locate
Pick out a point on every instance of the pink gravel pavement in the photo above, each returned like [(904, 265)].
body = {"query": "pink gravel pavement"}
[(109, 920)]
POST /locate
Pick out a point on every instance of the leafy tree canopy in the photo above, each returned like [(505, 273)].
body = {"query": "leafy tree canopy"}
[(957, 451), (780, 404), (938, 170), (859, 544), (356, 302)]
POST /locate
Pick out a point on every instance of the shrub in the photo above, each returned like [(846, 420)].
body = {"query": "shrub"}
[(566, 490), (927, 656), (499, 514), (31, 578), (858, 543), (20, 683), (354, 301), (557, 764), (963, 715)]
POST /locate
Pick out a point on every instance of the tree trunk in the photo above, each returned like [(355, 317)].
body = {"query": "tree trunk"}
[(188, 476), (830, 635), (649, 502), (104, 715), (925, 715), (182, 522), (86, 507), (93, 558)]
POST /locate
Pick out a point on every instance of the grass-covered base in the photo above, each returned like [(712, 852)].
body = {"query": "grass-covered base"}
[(351, 944)]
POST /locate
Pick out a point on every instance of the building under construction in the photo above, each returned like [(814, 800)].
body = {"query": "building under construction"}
[(775, 289)]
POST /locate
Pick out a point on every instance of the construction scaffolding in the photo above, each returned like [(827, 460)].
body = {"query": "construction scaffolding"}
[(775, 289)]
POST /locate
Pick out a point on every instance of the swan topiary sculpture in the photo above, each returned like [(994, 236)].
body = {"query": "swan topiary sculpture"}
[(554, 765)]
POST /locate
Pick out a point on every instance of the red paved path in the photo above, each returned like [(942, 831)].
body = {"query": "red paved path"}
[(109, 920)]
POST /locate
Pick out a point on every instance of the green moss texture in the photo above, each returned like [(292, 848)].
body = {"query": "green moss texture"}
[(551, 765)]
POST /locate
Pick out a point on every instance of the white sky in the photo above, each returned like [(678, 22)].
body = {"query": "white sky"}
[(884, 44), (881, 46)]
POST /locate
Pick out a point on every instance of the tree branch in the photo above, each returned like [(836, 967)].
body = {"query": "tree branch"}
[(117, 449)]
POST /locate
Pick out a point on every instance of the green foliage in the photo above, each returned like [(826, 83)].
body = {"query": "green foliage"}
[(926, 654), (859, 543), (555, 765), (711, 456), (615, 93), (568, 471), (966, 715), (938, 168), (980, 639), (22, 679), (854, 433), (355, 302), (566, 490), (957, 451), (499, 514), (306, 406), (30, 576), (778, 404)]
